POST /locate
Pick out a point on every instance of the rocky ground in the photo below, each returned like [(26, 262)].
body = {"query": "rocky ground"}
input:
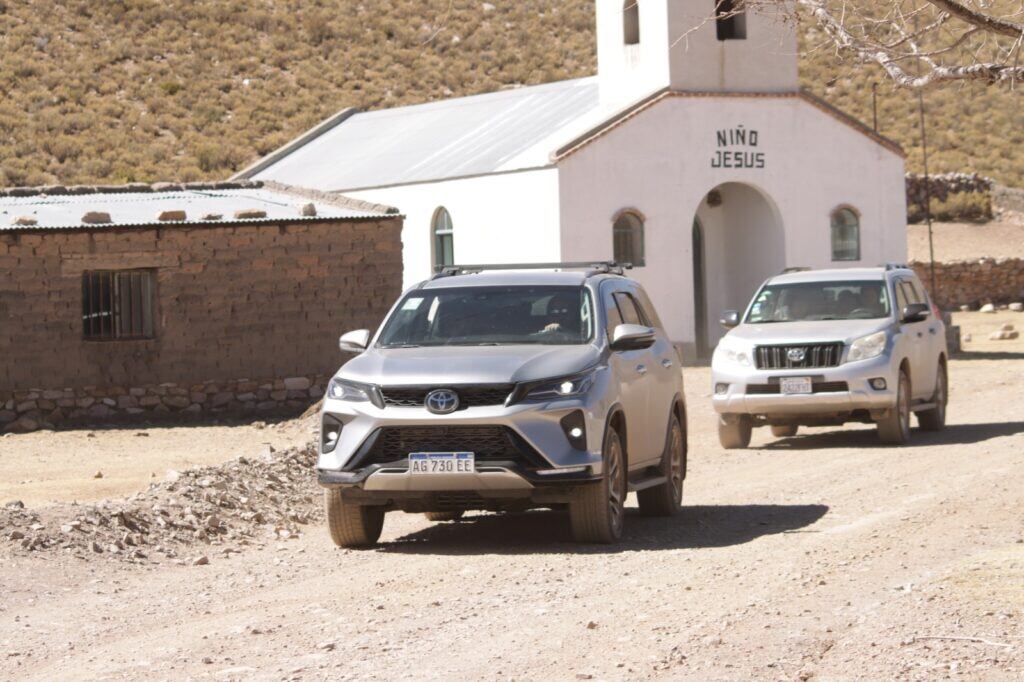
[(824, 555)]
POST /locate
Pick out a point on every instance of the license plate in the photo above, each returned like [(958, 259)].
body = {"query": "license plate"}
[(441, 463), (794, 385)]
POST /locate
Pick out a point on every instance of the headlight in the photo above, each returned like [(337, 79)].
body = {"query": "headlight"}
[(566, 387), (733, 352), (867, 347), (339, 389)]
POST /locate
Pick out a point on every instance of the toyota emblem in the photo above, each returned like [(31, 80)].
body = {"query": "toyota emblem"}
[(442, 401), (796, 354)]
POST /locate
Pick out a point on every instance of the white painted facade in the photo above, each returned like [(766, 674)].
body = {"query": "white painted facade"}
[(506, 218), (686, 127)]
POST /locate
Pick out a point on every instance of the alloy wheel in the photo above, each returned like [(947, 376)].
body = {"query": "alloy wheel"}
[(616, 487)]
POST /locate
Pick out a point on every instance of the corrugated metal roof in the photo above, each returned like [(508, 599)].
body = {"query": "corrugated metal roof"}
[(465, 136), (142, 208)]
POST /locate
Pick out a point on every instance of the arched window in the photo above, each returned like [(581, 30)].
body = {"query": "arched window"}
[(628, 238), (730, 20), (443, 236), (631, 22), (845, 234)]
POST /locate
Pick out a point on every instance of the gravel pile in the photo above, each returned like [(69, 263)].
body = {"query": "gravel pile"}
[(185, 518)]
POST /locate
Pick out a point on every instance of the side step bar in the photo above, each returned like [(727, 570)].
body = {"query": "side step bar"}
[(642, 480)]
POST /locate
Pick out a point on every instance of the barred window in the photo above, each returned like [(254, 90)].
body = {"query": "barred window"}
[(845, 235), (117, 304), (628, 239)]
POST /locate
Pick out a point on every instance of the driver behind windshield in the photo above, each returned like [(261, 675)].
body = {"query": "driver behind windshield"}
[(562, 314)]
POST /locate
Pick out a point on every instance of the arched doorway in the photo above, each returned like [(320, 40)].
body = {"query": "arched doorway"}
[(741, 243)]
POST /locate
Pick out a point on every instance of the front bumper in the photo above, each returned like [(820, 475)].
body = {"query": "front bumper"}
[(537, 425), (858, 394)]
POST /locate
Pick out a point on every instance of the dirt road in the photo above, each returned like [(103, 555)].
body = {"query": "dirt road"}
[(822, 555)]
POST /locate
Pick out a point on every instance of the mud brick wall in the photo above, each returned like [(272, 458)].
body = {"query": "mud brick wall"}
[(975, 282), (239, 309)]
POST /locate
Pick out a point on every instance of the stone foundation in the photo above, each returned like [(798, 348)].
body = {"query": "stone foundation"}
[(975, 283), (32, 409)]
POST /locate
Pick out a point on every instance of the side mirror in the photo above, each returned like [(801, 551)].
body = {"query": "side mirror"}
[(632, 337), (916, 312), (354, 342), (730, 319)]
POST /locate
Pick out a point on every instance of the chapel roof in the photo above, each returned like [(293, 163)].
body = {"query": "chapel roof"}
[(501, 131)]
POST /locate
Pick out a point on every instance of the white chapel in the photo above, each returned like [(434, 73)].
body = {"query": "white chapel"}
[(693, 154)]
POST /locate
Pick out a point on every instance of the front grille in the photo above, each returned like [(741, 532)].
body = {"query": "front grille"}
[(814, 355), (487, 443), (469, 396), (818, 387)]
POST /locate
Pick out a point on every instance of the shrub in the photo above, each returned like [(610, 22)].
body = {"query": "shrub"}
[(958, 207)]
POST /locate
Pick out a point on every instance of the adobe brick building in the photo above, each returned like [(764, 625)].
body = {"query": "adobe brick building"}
[(169, 301)]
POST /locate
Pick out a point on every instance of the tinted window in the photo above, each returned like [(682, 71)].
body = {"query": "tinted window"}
[(805, 301), (612, 310), (475, 316), (630, 314)]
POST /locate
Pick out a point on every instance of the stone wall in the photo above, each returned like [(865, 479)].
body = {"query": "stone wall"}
[(47, 408), (975, 283), (266, 301)]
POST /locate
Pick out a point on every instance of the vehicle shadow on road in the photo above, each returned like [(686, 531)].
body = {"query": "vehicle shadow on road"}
[(953, 434), (539, 532), (989, 355)]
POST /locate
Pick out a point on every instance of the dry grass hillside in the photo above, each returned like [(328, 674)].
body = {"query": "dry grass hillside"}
[(141, 90)]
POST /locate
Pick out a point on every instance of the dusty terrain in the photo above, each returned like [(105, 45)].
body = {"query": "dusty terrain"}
[(824, 555), (43, 466), (1003, 238)]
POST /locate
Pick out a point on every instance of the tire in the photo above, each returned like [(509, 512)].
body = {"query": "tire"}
[(787, 431), (895, 429), (735, 435), (665, 499), (935, 418), (597, 510), (444, 516), (352, 525)]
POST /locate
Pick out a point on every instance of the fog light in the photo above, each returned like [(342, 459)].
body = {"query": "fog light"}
[(575, 429), (721, 389), (330, 432), (878, 384)]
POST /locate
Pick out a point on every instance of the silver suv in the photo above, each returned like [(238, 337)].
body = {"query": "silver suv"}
[(828, 347), (529, 386)]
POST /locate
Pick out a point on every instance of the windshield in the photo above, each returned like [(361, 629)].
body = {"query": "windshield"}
[(487, 316), (820, 301)]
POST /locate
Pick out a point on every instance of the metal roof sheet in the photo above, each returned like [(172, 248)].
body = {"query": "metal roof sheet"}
[(465, 136), (142, 208)]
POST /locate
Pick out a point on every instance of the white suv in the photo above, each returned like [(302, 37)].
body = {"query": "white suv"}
[(826, 347)]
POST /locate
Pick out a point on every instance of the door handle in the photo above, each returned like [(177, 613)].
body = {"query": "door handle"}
[(666, 363), (641, 369)]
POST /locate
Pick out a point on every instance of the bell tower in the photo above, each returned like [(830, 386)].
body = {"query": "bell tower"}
[(694, 46)]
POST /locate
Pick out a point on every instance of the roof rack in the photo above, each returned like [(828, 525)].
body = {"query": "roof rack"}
[(896, 266), (795, 268), (593, 267)]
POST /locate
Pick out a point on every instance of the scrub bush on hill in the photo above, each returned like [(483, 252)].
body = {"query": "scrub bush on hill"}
[(144, 90)]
